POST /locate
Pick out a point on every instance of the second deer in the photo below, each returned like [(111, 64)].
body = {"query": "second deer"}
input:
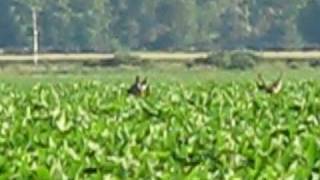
[(273, 88)]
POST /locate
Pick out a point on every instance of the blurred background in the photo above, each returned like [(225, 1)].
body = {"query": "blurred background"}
[(189, 25), (162, 37)]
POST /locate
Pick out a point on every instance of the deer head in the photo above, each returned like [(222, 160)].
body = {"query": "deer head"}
[(137, 81), (261, 84), (273, 88), (139, 88)]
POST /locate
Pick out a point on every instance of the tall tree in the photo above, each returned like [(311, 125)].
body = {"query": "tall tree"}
[(106, 25), (308, 23), (9, 36)]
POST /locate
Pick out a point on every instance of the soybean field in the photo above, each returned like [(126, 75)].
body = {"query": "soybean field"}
[(94, 130)]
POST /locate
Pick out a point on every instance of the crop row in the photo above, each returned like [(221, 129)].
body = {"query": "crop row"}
[(92, 130)]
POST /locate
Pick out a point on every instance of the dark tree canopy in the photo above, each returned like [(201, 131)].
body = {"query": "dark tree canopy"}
[(108, 25), (308, 22)]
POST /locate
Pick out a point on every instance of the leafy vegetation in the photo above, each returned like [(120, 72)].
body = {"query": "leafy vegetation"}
[(230, 60), (91, 130)]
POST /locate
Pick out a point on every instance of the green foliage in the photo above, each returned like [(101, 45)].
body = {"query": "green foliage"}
[(307, 22), (231, 60), (91, 130), (242, 60), (120, 58), (108, 25), (125, 58)]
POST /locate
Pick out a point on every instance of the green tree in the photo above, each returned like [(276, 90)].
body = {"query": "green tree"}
[(106, 25), (9, 36), (308, 23)]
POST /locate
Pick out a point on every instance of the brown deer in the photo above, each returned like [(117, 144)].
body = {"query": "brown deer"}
[(139, 88), (273, 88)]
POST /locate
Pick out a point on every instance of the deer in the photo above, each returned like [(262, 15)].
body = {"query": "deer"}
[(139, 88), (273, 88)]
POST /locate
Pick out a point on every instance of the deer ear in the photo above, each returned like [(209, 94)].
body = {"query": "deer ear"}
[(145, 81), (137, 78), (259, 76), (280, 76)]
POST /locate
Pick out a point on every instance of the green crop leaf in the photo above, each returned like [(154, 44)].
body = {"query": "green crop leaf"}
[(93, 130), (312, 151), (43, 173), (62, 124)]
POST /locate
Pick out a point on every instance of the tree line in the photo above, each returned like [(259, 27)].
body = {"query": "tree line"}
[(109, 25)]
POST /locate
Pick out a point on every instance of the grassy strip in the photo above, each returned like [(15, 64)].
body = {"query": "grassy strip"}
[(269, 55)]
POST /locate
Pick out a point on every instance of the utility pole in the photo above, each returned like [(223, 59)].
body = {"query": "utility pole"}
[(35, 36)]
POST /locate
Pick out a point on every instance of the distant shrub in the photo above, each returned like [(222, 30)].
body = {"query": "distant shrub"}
[(314, 63), (217, 59), (292, 64), (122, 58), (242, 60), (230, 60), (126, 58)]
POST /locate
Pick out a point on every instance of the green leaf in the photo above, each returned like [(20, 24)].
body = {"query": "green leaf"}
[(43, 173)]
